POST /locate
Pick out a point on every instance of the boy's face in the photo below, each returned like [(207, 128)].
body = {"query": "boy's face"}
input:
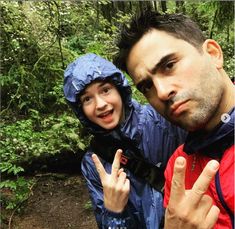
[(102, 104), (180, 82)]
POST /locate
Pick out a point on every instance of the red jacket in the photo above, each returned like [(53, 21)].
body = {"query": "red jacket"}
[(195, 165)]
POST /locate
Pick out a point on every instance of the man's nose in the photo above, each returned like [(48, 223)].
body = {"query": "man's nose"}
[(100, 102), (165, 89)]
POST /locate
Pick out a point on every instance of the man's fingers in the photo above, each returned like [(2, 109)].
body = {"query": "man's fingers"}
[(99, 167), (205, 204), (116, 164), (202, 183), (212, 217), (178, 181)]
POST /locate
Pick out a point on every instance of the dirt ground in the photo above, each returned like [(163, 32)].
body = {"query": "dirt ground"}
[(58, 201)]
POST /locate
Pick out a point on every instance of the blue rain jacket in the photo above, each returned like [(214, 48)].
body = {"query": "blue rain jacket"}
[(155, 137)]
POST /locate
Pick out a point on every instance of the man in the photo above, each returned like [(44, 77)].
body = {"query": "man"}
[(181, 74)]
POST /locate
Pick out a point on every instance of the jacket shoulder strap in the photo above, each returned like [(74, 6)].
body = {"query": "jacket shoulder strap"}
[(132, 159), (221, 198)]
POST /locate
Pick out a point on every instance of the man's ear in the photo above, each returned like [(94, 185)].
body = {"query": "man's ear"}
[(212, 48)]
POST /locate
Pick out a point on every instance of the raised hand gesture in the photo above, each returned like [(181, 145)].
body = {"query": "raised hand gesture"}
[(191, 209), (116, 186)]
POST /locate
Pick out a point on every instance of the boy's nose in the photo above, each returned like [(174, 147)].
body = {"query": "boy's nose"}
[(100, 102)]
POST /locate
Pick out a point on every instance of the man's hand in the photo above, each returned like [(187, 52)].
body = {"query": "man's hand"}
[(116, 186), (191, 209)]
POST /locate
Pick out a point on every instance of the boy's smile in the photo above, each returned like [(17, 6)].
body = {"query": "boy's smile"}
[(106, 116)]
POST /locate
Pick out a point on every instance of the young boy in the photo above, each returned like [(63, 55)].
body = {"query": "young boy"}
[(100, 96)]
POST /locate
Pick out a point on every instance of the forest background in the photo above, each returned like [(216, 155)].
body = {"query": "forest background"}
[(38, 40)]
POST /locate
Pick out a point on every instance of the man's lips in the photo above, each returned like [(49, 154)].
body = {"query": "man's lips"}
[(178, 107)]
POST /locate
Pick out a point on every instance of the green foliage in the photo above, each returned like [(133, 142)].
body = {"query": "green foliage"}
[(228, 52), (15, 192), (224, 13), (88, 205), (25, 139), (30, 138), (40, 38), (32, 56)]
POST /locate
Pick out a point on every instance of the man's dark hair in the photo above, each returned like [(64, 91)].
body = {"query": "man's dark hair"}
[(177, 25)]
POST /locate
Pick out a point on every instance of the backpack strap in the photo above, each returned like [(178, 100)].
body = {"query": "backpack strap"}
[(221, 198), (131, 159)]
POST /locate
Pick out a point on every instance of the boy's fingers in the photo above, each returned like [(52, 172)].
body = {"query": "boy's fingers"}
[(178, 181), (202, 183), (121, 180), (127, 185), (116, 164), (120, 171), (99, 167)]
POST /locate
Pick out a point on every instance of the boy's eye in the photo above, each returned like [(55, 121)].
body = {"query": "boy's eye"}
[(106, 89), (85, 99)]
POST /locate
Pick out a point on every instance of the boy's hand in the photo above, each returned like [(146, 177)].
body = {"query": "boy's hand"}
[(116, 186), (191, 209)]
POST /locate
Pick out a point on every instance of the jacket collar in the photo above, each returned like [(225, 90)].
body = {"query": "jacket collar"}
[(213, 144)]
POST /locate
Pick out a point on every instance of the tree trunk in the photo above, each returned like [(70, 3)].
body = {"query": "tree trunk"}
[(180, 8), (97, 13), (213, 24), (148, 5), (155, 5), (106, 11), (130, 6), (228, 33), (163, 6), (59, 35), (141, 6), (122, 6)]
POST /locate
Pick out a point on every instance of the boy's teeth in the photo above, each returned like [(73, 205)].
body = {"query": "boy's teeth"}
[(106, 113)]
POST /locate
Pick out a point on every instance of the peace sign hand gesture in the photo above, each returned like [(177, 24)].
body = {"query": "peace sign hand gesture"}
[(191, 209), (116, 186)]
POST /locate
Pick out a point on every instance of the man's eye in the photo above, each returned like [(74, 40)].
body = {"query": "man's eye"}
[(169, 65), (145, 87)]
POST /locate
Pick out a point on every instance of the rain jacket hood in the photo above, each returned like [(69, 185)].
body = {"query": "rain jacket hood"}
[(85, 70)]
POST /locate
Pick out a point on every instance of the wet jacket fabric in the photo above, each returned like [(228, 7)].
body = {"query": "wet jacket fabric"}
[(198, 150), (154, 136)]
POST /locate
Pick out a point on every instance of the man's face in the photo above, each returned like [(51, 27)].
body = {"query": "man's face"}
[(182, 83)]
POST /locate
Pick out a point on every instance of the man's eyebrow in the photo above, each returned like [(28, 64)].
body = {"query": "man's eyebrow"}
[(162, 61)]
